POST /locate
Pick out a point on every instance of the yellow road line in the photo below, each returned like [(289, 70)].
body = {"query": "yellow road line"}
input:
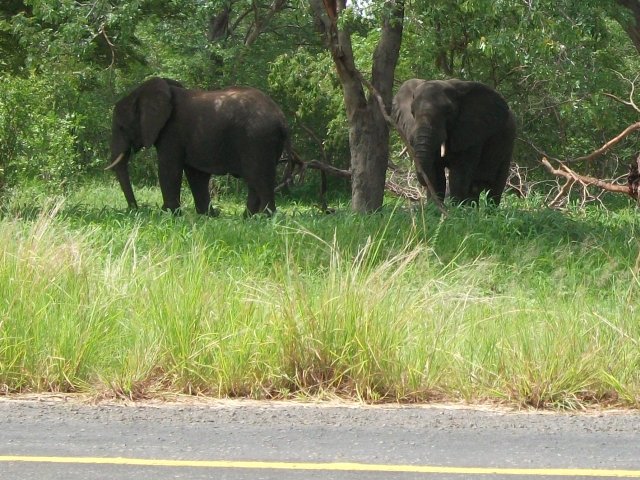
[(337, 466)]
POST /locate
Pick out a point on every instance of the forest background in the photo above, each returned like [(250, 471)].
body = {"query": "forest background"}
[(64, 63)]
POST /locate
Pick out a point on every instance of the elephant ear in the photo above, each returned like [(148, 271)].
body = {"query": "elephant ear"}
[(401, 108), (154, 109), (482, 112)]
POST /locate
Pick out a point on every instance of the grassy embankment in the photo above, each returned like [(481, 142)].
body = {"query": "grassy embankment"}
[(523, 305)]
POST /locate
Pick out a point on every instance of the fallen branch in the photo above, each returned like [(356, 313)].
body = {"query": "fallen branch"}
[(407, 188), (569, 174), (400, 182), (572, 178), (404, 184), (296, 164)]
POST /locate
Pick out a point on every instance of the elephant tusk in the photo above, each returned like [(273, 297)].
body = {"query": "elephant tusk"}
[(443, 150), (116, 161)]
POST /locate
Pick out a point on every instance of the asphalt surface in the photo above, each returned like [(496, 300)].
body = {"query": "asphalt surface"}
[(224, 440)]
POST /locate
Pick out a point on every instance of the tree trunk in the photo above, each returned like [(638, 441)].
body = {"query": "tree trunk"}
[(632, 28), (369, 145), (368, 130)]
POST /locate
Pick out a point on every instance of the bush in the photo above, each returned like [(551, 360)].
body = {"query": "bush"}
[(38, 141)]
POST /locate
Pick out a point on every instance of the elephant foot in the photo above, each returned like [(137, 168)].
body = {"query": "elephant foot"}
[(177, 211), (213, 211), (263, 213)]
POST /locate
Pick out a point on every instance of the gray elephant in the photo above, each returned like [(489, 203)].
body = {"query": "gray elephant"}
[(465, 127), (238, 131)]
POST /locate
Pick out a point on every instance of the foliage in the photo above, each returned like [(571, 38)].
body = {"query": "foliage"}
[(311, 97), (41, 142)]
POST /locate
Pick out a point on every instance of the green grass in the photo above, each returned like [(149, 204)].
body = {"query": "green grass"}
[(521, 305)]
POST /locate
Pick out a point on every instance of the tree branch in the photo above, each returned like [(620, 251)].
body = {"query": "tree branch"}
[(573, 177), (630, 102), (611, 143), (261, 24)]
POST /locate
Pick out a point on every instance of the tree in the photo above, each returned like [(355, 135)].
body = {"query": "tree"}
[(368, 130)]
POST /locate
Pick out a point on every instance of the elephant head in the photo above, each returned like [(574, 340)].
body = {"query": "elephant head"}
[(448, 124), (137, 121)]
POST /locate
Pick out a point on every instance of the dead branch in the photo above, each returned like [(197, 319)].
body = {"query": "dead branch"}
[(294, 162), (516, 181), (630, 102), (403, 183), (298, 167), (315, 138), (574, 178), (569, 174), (611, 143), (102, 32)]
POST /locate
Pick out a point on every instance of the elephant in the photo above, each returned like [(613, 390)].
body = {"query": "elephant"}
[(238, 131), (463, 126)]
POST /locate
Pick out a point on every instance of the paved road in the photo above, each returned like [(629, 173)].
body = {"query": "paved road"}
[(249, 440)]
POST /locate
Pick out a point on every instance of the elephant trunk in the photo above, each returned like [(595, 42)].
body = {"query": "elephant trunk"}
[(121, 168), (430, 150), (428, 146)]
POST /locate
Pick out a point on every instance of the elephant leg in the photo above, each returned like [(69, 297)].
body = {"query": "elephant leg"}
[(253, 202), (267, 202), (260, 200), (495, 164), (199, 184), (264, 187), (462, 170), (170, 177), (496, 186), (460, 187), (260, 168)]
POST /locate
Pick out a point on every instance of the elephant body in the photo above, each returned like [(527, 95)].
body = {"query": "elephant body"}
[(464, 127), (238, 131)]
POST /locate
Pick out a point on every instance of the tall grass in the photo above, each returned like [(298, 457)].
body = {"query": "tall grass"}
[(521, 305)]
